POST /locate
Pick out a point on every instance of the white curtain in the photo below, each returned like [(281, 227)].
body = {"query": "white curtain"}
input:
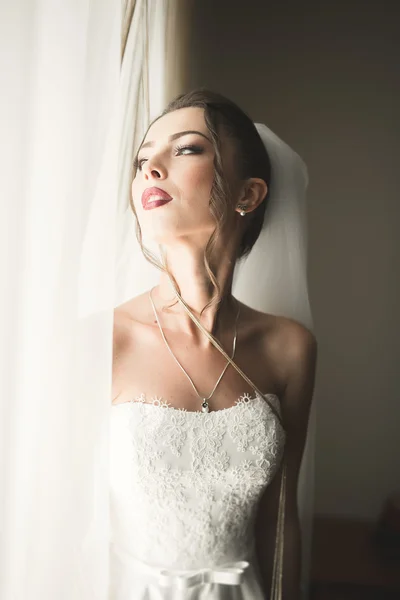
[(64, 105)]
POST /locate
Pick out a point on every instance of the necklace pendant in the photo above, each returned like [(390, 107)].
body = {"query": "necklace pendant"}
[(204, 407)]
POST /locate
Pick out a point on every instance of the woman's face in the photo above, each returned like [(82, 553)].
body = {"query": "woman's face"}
[(176, 163)]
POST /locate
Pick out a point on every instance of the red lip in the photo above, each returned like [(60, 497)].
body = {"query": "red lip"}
[(161, 195)]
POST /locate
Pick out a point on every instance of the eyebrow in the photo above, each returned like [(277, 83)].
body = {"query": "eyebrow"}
[(175, 136)]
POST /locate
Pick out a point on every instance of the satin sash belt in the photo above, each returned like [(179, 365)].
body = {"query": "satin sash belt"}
[(230, 573)]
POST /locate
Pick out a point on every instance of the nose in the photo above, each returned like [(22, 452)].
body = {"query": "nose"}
[(153, 170)]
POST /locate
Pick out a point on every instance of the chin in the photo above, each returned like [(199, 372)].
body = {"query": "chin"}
[(164, 236), (168, 231)]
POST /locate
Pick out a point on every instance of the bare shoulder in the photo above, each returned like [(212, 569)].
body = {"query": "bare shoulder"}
[(120, 329), (135, 310), (123, 338), (284, 338), (127, 316), (285, 345), (297, 341), (297, 352), (129, 330)]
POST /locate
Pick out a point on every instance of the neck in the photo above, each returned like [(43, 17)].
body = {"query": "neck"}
[(196, 289)]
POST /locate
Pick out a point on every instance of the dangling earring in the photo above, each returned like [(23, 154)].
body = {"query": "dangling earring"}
[(242, 212)]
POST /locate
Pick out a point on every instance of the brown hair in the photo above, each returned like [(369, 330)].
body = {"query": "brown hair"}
[(252, 161)]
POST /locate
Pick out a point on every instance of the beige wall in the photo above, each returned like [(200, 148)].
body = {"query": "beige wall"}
[(325, 77)]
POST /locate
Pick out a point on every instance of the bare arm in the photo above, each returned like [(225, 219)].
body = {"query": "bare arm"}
[(300, 358)]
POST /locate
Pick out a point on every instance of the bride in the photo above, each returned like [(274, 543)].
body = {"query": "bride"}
[(211, 398)]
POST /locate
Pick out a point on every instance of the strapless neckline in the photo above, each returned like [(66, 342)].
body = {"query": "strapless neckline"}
[(158, 402), (184, 491)]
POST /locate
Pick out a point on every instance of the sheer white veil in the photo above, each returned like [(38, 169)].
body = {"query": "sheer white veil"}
[(272, 278)]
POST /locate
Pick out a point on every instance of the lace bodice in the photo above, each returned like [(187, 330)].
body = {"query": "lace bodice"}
[(185, 485)]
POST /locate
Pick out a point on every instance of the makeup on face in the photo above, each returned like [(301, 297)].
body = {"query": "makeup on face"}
[(193, 148), (153, 197)]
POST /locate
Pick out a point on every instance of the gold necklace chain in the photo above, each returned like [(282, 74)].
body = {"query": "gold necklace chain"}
[(204, 405)]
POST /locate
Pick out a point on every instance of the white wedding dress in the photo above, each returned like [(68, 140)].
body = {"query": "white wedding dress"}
[(184, 489)]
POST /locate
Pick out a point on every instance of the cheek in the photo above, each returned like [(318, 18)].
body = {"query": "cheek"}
[(199, 178)]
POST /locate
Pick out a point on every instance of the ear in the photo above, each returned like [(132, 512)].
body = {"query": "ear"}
[(252, 194)]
